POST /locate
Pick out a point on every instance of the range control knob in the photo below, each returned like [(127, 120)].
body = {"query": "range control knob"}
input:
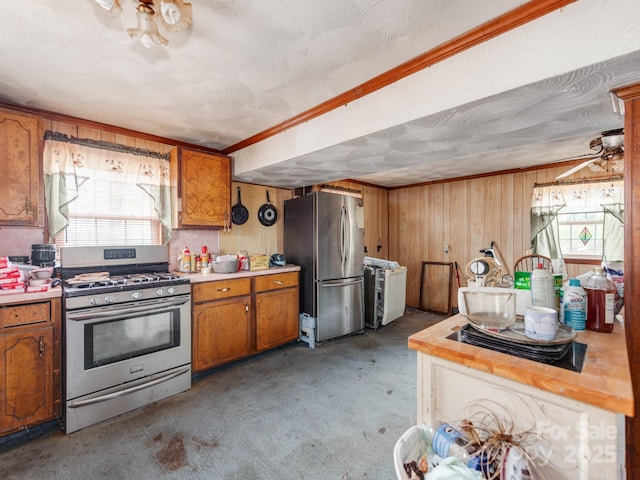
[(109, 299), (94, 301), (171, 290), (136, 295), (159, 292)]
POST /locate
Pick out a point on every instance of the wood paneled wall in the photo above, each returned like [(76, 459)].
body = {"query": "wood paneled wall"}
[(466, 215), (252, 236)]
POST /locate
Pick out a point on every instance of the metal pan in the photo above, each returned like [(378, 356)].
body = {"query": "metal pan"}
[(268, 214), (239, 213)]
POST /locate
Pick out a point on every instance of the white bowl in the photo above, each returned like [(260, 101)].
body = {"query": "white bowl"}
[(541, 323), (225, 266), (42, 273)]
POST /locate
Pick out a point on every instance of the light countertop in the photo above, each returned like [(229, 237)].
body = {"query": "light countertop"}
[(30, 297), (211, 277), (605, 380)]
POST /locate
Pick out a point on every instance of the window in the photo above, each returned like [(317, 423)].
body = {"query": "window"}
[(111, 214), (579, 219), (99, 193), (581, 232)]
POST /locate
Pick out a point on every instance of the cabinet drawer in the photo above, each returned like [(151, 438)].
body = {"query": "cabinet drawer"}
[(204, 292), (276, 281), (15, 315)]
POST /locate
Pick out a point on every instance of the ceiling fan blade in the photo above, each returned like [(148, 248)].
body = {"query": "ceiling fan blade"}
[(576, 168)]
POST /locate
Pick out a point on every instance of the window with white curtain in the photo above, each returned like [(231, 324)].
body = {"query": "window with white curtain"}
[(579, 219), (100, 193)]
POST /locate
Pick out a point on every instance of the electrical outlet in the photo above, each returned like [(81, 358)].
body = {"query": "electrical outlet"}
[(446, 249)]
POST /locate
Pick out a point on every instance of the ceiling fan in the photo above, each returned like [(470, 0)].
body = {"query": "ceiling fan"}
[(609, 147)]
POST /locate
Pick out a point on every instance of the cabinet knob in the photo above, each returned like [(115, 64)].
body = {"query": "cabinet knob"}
[(41, 346)]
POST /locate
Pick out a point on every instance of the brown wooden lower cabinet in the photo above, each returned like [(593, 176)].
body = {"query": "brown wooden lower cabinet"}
[(276, 318), (222, 332), (30, 364), (236, 318)]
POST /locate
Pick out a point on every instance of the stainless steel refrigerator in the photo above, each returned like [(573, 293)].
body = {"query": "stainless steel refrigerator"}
[(322, 235)]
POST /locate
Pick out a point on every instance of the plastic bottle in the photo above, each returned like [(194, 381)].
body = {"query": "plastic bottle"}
[(192, 260), (574, 305), (447, 441), (601, 297), (561, 304), (543, 290), (185, 265)]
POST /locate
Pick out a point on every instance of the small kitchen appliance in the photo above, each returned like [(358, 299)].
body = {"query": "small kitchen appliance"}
[(43, 254), (127, 331), (278, 260)]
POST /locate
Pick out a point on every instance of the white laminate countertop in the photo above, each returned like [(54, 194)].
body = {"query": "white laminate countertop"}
[(212, 277), (30, 297)]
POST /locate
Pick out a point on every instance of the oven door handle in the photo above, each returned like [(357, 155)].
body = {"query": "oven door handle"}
[(92, 314), (127, 391)]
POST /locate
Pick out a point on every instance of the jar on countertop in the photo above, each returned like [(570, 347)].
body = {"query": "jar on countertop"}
[(601, 299)]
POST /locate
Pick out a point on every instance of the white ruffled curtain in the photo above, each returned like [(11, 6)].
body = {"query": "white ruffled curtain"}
[(549, 200), (69, 162)]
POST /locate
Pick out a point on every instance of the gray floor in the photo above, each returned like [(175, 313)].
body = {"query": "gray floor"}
[(334, 412)]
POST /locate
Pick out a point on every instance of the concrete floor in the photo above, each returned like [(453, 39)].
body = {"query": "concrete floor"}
[(334, 412)]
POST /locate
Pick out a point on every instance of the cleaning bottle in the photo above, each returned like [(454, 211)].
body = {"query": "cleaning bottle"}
[(601, 298), (574, 305), (543, 291)]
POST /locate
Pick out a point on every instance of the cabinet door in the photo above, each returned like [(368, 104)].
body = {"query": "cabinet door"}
[(26, 378), (20, 170), (205, 189), (376, 222), (276, 318), (222, 332)]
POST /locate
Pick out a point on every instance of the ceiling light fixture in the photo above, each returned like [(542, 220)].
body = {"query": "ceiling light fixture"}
[(173, 15)]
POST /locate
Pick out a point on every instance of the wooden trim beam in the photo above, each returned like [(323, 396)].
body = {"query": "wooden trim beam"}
[(631, 96), (517, 17)]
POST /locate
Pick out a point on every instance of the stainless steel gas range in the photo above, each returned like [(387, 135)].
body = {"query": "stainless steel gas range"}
[(127, 331)]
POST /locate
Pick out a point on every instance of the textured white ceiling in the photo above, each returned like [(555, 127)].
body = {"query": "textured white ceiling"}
[(247, 65)]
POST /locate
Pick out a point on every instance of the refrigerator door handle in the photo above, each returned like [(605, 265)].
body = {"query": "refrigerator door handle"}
[(342, 284), (341, 233), (347, 237)]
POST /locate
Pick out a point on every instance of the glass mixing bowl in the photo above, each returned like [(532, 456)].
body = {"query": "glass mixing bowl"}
[(491, 310)]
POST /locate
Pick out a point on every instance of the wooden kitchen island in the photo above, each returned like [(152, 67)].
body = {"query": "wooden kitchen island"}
[(576, 419)]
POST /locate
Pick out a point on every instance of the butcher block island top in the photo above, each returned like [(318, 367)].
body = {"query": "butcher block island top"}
[(605, 380)]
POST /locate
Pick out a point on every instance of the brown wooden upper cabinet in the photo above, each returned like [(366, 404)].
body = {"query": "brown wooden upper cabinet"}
[(202, 189), (376, 223), (20, 171)]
